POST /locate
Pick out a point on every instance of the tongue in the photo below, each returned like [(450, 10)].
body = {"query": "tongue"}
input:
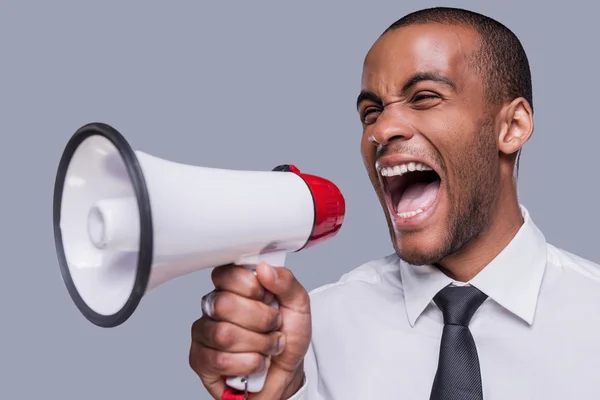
[(418, 195)]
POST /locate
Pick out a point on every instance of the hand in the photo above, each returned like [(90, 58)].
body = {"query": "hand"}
[(243, 330)]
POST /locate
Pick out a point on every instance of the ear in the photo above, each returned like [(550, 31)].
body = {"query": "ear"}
[(516, 126)]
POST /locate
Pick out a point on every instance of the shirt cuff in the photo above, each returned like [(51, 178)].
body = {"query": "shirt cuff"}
[(301, 393)]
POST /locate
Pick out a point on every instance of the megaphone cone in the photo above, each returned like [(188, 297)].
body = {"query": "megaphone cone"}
[(126, 222)]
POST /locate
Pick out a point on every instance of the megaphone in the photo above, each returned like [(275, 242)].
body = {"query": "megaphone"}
[(126, 222)]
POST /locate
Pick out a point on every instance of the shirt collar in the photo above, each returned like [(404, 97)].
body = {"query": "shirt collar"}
[(512, 279)]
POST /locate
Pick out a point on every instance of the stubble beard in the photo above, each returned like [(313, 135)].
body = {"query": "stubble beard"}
[(471, 204)]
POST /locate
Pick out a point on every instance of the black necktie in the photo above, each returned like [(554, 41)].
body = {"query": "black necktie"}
[(458, 376)]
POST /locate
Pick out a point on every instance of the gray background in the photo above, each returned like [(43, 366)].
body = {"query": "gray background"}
[(246, 85)]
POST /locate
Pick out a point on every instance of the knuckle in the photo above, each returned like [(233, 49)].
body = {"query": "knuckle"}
[(224, 336), (221, 305), (221, 361)]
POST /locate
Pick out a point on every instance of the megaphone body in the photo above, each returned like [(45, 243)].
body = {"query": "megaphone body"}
[(126, 222)]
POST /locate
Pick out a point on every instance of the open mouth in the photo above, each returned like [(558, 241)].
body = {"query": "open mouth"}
[(411, 187)]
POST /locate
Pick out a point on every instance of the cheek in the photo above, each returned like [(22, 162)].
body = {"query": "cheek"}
[(453, 129), (443, 119), (472, 156)]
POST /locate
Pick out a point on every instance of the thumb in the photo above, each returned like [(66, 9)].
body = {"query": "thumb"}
[(283, 284)]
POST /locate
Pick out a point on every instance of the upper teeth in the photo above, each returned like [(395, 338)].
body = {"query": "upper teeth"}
[(401, 169)]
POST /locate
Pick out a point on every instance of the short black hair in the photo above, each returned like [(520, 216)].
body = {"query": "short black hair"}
[(500, 59)]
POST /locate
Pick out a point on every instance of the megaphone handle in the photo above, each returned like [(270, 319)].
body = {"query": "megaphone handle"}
[(253, 383)]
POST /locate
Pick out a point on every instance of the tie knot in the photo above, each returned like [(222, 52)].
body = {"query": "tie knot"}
[(459, 303)]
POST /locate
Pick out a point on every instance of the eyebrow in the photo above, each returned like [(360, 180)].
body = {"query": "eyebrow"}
[(412, 81)]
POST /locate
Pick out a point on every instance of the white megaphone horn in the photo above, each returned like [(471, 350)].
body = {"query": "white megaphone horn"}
[(126, 222)]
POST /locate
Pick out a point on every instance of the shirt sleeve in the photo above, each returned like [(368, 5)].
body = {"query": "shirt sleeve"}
[(300, 394)]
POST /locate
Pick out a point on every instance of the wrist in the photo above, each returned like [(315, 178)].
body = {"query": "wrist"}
[(296, 382)]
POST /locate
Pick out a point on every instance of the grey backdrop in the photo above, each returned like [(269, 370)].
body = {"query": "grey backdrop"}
[(235, 85)]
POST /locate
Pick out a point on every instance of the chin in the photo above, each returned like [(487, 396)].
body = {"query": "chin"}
[(421, 239), (420, 248)]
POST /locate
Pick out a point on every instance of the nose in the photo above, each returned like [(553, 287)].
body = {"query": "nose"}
[(390, 125)]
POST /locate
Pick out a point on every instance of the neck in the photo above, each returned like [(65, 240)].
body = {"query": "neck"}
[(506, 221)]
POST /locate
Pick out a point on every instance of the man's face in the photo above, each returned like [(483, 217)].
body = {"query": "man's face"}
[(428, 141)]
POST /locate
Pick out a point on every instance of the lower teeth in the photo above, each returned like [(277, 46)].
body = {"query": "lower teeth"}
[(409, 214)]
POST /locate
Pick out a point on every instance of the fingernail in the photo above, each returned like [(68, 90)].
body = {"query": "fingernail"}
[(208, 304), (268, 297), (261, 365), (280, 344), (278, 321)]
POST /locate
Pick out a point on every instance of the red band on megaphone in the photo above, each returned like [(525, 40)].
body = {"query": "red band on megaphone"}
[(330, 207), (232, 394)]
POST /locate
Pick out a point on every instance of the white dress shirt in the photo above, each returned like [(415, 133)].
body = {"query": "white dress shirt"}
[(377, 332)]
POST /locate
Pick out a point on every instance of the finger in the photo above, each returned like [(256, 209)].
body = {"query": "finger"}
[(249, 314), (284, 285), (211, 364), (225, 336), (214, 383), (236, 279), (207, 304)]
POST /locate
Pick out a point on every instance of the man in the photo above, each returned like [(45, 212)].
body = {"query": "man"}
[(474, 304)]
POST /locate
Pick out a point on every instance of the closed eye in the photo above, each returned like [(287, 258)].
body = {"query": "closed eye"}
[(424, 96), (369, 116), (426, 100)]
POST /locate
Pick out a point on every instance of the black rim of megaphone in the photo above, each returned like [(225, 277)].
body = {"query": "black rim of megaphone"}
[(145, 216)]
